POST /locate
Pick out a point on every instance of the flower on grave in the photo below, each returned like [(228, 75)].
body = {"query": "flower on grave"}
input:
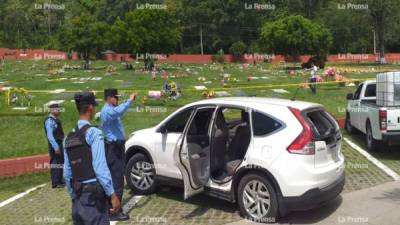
[(331, 72), (319, 78), (208, 94)]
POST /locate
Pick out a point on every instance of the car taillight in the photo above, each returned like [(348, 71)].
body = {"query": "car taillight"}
[(304, 143), (383, 120)]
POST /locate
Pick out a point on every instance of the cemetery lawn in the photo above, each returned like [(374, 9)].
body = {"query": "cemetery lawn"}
[(22, 130)]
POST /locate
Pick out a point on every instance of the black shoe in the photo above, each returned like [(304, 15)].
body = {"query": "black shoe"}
[(59, 186), (119, 217)]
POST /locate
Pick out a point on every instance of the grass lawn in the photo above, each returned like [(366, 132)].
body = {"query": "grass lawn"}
[(22, 130), (390, 156), (12, 186), (166, 206)]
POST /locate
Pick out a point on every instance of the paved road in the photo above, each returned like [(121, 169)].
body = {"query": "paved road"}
[(377, 206)]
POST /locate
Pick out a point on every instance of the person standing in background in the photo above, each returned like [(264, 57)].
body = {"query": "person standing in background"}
[(55, 135)]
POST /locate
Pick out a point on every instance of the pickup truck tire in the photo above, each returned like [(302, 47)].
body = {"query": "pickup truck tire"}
[(349, 128), (372, 144)]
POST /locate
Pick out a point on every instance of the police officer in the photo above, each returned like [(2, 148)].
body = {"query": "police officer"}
[(55, 135), (111, 124), (85, 170)]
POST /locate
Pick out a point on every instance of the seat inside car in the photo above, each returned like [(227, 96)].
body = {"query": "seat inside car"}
[(219, 144), (239, 144)]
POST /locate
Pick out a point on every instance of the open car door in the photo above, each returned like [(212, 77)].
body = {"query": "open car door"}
[(192, 153)]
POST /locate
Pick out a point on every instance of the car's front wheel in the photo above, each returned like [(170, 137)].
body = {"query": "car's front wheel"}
[(139, 174), (257, 199)]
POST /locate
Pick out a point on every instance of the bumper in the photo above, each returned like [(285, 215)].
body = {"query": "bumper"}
[(391, 138), (312, 198)]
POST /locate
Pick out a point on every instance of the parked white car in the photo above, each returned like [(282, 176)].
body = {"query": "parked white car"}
[(270, 156), (380, 124)]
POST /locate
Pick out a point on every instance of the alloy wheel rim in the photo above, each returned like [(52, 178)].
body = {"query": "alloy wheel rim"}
[(142, 175), (256, 199)]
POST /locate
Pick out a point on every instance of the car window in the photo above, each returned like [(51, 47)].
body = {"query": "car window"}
[(263, 124), (201, 122), (177, 123), (370, 91), (358, 92), (232, 114), (322, 122)]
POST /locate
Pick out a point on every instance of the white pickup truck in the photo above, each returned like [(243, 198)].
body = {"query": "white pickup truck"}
[(379, 124)]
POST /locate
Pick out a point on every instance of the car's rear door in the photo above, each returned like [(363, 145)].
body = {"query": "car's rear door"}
[(327, 136), (192, 153)]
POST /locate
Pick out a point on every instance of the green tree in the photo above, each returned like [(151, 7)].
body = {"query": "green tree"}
[(86, 36), (237, 50), (151, 31), (385, 19), (294, 36)]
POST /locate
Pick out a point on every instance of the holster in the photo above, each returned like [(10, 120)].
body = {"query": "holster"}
[(77, 187)]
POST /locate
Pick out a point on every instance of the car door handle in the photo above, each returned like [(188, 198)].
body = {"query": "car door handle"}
[(196, 156)]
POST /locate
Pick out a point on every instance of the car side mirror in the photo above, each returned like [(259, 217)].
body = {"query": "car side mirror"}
[(163, 129), (350, 96)]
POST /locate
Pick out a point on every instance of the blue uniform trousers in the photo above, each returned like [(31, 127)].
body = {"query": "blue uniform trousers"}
[(85, 212), (115, 155)]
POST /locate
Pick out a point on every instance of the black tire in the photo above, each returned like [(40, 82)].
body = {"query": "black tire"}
[(137, 161), (272, 210), (349, 128), (372, 144)]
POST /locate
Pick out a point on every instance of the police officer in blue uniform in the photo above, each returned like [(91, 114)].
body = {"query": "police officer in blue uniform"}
[(86, 173), (55, 135), (111, 124)]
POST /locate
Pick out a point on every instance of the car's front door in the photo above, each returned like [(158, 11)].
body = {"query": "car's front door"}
[(192, 154), (355, 105)]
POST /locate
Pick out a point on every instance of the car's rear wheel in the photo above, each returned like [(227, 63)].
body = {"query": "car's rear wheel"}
[(257, 199), (139, 174), (372, 144)]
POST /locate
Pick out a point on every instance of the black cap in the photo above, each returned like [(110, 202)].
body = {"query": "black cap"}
[(85, 98), (111, 92)]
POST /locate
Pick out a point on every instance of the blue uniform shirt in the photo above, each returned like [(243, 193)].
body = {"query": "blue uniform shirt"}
[(111, 120), (95, 139), (51, 126)]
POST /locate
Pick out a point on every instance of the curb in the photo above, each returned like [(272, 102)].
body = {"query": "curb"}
[(22, 165)]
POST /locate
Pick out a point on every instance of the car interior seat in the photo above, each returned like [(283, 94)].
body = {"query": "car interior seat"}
[(219, 143), (239, 144)]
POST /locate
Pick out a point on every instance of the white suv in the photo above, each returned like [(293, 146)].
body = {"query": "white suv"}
[(269, 155)]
